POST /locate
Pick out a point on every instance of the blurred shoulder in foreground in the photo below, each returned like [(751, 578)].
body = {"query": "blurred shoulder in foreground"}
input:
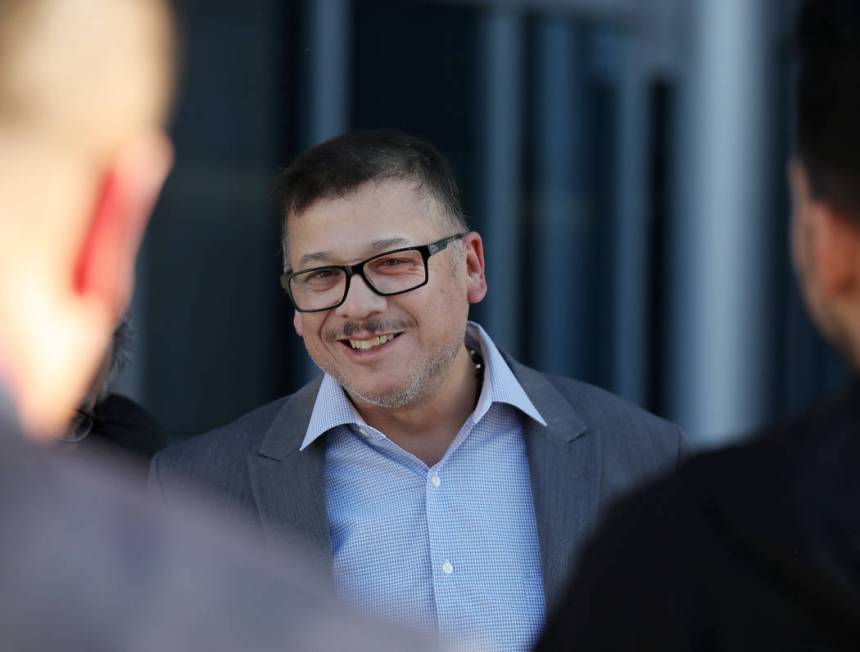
[(750, 548), (87, 564)]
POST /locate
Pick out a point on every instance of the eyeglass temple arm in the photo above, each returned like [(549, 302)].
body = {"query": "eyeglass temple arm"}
[(439, 245)]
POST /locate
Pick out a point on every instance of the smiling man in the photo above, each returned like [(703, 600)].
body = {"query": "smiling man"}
[(447, 485)]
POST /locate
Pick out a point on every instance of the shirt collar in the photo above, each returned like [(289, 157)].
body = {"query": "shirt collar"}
[(333, 408), (500, 384)]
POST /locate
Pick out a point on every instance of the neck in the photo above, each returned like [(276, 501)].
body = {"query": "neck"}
[(427, 427)]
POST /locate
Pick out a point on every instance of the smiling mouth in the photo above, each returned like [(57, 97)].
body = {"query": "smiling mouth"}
[(372, 343)]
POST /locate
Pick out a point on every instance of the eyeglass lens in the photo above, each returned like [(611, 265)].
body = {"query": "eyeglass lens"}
[(389, 273)]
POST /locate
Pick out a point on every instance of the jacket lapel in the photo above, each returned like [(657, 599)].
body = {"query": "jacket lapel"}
[(564, 464), (288, 484)]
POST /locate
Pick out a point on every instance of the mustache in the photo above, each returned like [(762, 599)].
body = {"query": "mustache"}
[(367, 327)]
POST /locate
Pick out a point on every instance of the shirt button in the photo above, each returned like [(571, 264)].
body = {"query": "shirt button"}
[(447, 567), (436, 481)]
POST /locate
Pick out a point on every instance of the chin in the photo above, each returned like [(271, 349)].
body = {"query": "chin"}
[(390, 397)]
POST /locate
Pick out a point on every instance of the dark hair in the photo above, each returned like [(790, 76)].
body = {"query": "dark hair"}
[(341, 165), (119, 357), (827, 130)]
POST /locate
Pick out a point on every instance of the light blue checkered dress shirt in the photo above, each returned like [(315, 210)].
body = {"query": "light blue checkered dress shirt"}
[(453, 547)]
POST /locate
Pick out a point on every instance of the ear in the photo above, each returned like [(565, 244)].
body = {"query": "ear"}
[(835, 251), (297, 323), (104, 268), (476, 288)]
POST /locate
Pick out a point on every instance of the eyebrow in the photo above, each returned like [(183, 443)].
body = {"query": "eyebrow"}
[(377, 246)]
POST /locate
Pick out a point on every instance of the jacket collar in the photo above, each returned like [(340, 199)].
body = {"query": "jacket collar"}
[(565, 471), (285, 434)]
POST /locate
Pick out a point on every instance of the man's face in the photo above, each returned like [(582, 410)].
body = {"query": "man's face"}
[(414, 338), (825, 248)]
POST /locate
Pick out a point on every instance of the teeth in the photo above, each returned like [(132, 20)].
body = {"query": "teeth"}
[(366, 345)]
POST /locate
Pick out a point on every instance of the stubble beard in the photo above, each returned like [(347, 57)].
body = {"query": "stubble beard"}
[(422, 381)]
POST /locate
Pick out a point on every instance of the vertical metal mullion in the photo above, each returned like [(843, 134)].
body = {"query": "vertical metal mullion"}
[(329, 41), (501, 180), (632, 279), (560, 319), (720, 250)]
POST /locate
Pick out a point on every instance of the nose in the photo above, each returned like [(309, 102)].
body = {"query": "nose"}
[(360, 301)]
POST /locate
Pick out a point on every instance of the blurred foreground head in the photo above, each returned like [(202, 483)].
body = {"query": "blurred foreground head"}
[(84, 92), (825, 172)]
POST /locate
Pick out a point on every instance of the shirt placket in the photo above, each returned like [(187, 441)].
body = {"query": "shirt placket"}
[(447, 571)]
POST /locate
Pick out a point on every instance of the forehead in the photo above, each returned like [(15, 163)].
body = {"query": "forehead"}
[(348, 228)]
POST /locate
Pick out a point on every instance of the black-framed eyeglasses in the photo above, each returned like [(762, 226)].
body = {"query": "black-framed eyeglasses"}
[(387, 274), (82, 425)]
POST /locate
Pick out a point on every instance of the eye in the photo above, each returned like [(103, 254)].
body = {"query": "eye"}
[(396, 263), (319, 278), (393, 265)]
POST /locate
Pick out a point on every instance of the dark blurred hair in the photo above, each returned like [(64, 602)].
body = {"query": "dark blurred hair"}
[(341, 165), (828, 100), (118, 358)]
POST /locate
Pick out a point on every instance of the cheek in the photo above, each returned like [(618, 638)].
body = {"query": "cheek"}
[(446, 309)]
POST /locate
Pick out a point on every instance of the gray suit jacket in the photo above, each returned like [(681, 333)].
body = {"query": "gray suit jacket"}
[(87, 564), (595, 446)]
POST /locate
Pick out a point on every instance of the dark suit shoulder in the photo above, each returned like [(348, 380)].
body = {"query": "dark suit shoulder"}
[(754, 490), (632, 437), (243, 434), (595, 404), (807, 460), (791, 486), (751, 546), (630, 567), (215, 462)]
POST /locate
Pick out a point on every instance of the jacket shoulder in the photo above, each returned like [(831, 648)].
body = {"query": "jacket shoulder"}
[(599, 407), (242, 435), (635, 444), (214, 462)]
